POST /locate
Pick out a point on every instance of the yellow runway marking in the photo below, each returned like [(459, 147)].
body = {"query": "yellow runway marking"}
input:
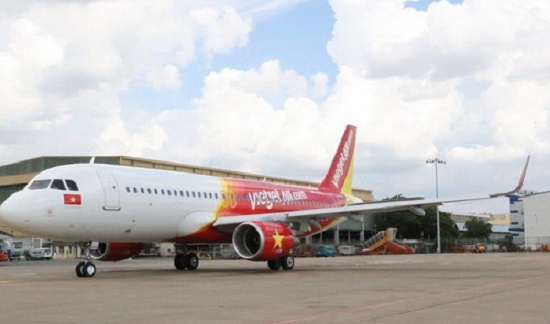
[(5, 281)]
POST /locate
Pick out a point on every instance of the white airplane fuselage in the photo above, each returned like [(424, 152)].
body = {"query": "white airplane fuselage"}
[(127, 204)]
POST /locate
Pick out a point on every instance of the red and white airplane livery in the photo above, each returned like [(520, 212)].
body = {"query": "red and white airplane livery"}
[(125, 207)]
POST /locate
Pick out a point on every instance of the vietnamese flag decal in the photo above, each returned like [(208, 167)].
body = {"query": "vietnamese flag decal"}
[(72, 199)]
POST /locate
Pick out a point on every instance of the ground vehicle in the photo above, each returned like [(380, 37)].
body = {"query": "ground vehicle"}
[(346, 250), (40, 254), (325, 251), (3, 253)]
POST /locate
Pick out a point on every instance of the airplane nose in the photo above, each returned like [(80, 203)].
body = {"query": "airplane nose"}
[(10, 213), (4, 212)]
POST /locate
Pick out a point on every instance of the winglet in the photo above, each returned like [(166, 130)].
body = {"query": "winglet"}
[(339, 176), (520, 183)]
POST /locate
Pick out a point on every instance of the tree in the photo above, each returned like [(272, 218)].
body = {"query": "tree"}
[(407, 223), (410, 225), (477, 227), (448, 229)]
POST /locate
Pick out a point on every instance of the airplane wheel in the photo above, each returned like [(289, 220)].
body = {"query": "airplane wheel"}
[(89, 269), (192, 261), (79, 269), (287, 262), (274, 264), (179, 261)]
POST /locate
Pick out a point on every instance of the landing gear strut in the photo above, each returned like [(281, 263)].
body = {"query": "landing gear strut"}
[(286, 262), (184, 260), (86, 269)]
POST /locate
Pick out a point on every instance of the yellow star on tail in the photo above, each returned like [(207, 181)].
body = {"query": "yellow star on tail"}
[(278, 240)]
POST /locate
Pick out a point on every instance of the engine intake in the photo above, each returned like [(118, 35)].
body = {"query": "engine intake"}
[(263, 241), (116, 251)]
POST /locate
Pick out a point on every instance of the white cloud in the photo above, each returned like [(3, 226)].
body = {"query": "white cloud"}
[(56, 57), (468, 83), (167, 78), (221, 30)]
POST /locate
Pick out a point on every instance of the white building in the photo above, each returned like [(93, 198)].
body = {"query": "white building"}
[(530, 219)]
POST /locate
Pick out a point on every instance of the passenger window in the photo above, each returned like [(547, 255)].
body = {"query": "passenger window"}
[(181, 193), (169, 192), (128, 189), (40, 184), (193, 194), (162, 191), (142, 190), (135, 190), (58, 184), (199, 194), (149, 190), (71, 184), (156, 191)]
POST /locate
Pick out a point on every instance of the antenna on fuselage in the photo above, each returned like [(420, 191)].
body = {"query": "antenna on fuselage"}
[(92, 160)]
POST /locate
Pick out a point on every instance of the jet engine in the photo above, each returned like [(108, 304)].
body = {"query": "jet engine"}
[(263, 241), (116, 251)]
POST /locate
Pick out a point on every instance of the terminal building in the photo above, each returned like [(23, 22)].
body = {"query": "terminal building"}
[(530, 219), (16, 176)]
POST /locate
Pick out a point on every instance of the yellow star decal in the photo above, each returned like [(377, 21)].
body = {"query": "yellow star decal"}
[(278, 240)]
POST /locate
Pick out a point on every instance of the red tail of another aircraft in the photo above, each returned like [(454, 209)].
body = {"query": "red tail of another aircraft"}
[(340, 174)]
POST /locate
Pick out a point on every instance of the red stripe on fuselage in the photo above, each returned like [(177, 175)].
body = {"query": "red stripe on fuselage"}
[(251, 197), (245, 197)]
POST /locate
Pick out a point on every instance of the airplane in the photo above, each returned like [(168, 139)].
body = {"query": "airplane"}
[(112, 211)]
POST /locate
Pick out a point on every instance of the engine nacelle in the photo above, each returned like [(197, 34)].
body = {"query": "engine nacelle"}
[(116, 251), (263, 241)]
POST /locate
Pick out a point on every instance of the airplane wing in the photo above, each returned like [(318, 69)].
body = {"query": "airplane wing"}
[(416, 206)]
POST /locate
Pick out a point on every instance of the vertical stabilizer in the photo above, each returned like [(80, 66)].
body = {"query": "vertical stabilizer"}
[(339, 176)]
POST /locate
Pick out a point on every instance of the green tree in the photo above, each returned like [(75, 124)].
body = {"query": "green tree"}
[(407, 223), (410, 225), (448, 229), (476, 227)]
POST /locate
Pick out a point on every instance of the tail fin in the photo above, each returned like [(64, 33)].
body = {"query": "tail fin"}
[(520, 183), (340, 174)]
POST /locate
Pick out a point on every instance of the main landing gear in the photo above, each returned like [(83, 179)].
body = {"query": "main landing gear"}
[(184, 260), (86, 269), (286, 262)]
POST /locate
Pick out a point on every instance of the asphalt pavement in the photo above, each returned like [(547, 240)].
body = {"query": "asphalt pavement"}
[(450, 288)]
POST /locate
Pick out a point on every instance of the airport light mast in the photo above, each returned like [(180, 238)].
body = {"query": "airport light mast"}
[(437, 161)]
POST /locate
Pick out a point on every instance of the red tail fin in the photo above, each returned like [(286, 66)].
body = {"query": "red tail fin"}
[(339, 176)]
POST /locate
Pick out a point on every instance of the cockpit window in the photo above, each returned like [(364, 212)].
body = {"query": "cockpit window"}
[(40, 184), (58, 184), (71, 185)]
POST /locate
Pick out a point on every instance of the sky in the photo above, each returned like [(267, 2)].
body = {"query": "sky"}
[(268, 87)]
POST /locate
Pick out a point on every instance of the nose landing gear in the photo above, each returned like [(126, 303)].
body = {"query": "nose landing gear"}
[(86, 269)]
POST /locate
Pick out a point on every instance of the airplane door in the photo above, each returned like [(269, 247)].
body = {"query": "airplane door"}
[(110, 189)]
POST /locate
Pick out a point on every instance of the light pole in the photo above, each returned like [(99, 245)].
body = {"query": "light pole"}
[(437, 161)]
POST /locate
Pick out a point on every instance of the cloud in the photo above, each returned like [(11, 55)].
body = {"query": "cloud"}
[(167, 78), (468, 83), (64, 65), (222, 30)]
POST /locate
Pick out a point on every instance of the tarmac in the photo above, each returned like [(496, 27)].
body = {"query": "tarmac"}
[(450, 288)]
